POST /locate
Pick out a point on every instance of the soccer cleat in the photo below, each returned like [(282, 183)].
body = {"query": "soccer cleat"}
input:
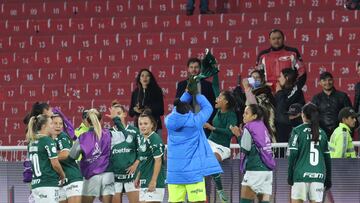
[(222, 196)]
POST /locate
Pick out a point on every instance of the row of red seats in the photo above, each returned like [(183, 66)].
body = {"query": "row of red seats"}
[(42, 9), (174, 39), (172, 56), (114, 74), (135, 24)]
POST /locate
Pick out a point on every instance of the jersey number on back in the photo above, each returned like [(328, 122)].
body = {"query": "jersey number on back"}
[(35, 161), (314, 154)]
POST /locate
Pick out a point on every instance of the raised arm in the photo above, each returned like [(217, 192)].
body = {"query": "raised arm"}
[(205, 110), (69, 127)]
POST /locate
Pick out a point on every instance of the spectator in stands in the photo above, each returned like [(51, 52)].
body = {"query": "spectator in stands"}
[(258, 92), (204, 7), (147, 95), (240, 99), (289, 91), (295, 114), (330, 101), (278, 57), (341, 145), (193, 65)]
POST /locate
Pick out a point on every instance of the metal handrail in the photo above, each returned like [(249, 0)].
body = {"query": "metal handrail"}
[(232, 146)]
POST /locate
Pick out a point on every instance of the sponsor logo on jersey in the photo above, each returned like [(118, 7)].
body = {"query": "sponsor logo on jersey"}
[(313, 175), (143, 147), (129, 139), (43, 196), (120, 151), (53, 149), (286, 58), (142, 158), (35, 181)]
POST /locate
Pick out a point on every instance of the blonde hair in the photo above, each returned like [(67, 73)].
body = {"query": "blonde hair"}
[(34, 125), (94, 120)]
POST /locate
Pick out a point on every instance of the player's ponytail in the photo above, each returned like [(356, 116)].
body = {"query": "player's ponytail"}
[(94, 118), (34, 125), (311, 112)]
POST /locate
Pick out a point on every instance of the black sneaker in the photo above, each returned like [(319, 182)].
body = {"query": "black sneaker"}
[(189, 12)]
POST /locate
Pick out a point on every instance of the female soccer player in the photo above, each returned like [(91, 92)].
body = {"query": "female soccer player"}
[(309, 160), (44, 162), (190, 157), (151, 176), (220, 136), (124, 156), (94, 146), (255, 144), (71, 191)]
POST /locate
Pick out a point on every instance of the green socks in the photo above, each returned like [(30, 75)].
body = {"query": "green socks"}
[(217, 179)]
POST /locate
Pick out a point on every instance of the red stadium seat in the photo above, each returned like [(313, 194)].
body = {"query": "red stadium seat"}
[(25, 59), (35, 10), (127, 40), (106, 41), (124, 24), (54, 92), (118, 8), (11, 93), (337, 52), (343, 17), (144, 24), (149, 40), (72, 74), (14, 109), (34, 92), (120, 91), (276, 19), (329, 35), (345, 69), (44, 59), (194, 39), (84, 41), (64, 41), (354, 50), (19, 43), (239, 37), (320, 18), (16, 27), (257, 37), (306, 35), (88, 58), (38, 26), (252, 20), (30, 76), (7, 59), (41, 43), (171, 40), (180, 71), (217, 38), (80, 25), (97, 8), (103, 25), (55, 9), (95, 74), (4, 43), (9, 76), (315, 69), (68, 58), (115, 73), (313, 53), (59, 26), (350, 34)]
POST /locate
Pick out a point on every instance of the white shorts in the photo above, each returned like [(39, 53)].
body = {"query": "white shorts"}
[(46, 194), (156, 196), (99, 185), (302, 191), (71, 190), (224, 152), (129, 187), (259, 181)]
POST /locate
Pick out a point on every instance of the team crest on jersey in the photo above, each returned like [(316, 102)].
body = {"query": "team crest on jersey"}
[(129, 139), (143, 147), (97, 149)]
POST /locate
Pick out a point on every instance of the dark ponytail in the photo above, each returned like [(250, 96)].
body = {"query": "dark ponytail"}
[(262, 114), (311, 112)]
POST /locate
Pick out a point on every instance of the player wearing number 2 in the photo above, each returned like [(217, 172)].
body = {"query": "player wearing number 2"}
[(44, 162), (309, 160)]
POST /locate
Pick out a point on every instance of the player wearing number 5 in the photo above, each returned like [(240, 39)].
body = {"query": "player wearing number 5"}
[(44, 162), (309, 160)]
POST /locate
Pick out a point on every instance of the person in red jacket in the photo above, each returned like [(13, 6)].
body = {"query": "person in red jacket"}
[(278, 57)]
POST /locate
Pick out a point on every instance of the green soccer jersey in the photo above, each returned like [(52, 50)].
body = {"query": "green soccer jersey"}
[(69, 165), (222, 133), (124, 152), (308, 161), (40, 152), (253, 160), (150, 148)]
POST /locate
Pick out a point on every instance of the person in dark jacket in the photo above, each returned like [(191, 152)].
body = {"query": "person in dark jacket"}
[(193, 65), (330, 101), (289, 91), (357, 99), (147, 95)]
